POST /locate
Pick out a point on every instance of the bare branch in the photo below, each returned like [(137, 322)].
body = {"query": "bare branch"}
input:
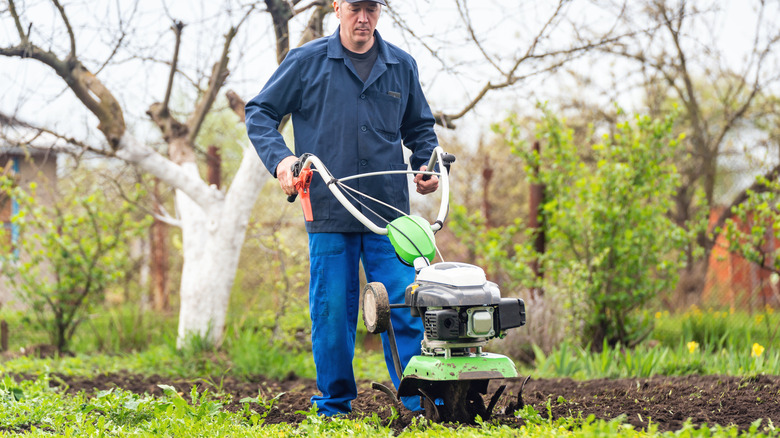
[(17, 21), (314, 28), (37, 131), (177, 27), (120, 40), (218, 75), (162, 216), (281, 13), (510, 78), (236, 104), (400, 22), (87, 88), (71, 35), (464, 14), (318, 3)]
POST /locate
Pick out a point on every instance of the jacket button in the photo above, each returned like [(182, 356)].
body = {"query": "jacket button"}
[(363, 162), (363, 96), (363, 128)]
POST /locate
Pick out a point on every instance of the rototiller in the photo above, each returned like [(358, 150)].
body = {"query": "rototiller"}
[(461, 310)]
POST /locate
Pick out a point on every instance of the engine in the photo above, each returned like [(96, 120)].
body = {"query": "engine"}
[(460, 308)]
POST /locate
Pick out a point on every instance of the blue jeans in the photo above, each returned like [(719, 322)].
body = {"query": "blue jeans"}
[(334, 292)]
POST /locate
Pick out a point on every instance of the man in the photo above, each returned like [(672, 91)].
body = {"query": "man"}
[(354, 99)]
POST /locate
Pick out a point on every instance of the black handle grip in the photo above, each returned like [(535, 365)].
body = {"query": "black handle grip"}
[(447, 159), (291, 198)]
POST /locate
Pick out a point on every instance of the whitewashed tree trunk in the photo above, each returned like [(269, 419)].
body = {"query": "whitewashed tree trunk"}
[(213, 229)]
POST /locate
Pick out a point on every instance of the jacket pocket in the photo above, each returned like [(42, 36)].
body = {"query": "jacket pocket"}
[(388, 110)]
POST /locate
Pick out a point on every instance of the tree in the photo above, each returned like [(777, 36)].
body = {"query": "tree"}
[(68, 255), (213, 222), (681, 61), (610, 244)]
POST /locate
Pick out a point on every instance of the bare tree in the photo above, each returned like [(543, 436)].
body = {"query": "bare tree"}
[(213, 222)]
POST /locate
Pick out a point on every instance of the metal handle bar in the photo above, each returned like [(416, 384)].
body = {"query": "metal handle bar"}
[(437, 157)]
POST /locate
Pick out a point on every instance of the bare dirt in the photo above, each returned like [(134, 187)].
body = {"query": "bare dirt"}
[(666, 401)]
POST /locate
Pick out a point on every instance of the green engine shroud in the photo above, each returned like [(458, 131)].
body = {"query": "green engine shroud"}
[(411, 237), (485, 366)]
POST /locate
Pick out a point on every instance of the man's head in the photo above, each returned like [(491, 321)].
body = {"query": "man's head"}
[(358, 20)]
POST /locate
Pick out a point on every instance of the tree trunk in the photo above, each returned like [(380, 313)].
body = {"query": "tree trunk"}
[(213, 231), (158, 236), (211, 247)]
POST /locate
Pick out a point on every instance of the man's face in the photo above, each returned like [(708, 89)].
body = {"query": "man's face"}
[(358, 21)]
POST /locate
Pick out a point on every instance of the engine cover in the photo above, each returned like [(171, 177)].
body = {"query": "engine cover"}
[(452, 285)]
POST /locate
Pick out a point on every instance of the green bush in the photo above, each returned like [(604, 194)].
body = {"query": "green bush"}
[(610, 245), (66, 255)]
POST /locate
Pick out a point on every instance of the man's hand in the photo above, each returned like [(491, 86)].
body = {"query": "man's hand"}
[(285, 176), (425, 187)]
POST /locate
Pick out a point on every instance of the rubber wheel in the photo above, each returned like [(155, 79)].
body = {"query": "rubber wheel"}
[(376, 308)]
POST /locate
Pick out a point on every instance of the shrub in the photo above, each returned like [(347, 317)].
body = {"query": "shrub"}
[(66, 255), (610, 245)]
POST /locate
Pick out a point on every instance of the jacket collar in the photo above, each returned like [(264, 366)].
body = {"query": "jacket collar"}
[(336, 50)]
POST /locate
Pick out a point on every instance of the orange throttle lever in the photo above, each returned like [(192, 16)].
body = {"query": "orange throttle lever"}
[(302, 184)]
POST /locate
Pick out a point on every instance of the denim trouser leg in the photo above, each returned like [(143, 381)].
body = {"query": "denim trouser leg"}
[(333, 300), (382, 265), (333, 306)]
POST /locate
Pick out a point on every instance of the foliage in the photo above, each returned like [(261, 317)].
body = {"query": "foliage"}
[(68, 255), (34, 408), (606, 222), (755, 225), (644, 361), (716, 329), (610, 245)]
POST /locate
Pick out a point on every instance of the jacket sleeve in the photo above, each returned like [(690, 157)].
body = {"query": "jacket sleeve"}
[(417, 123), (280, 96)]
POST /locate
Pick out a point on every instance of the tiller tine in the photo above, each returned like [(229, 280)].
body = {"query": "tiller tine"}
[(429, 405), (494, 400), (520, 404), (389, 392)]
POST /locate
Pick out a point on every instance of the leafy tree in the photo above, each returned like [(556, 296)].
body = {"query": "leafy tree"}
[(66, 255), (611, 246)]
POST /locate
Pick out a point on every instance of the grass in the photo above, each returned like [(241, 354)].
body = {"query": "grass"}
[(716, 329), (33, 408), (644, 361), (692, 343)]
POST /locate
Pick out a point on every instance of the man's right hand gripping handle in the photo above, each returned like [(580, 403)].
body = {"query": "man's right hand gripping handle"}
[(301, 180)]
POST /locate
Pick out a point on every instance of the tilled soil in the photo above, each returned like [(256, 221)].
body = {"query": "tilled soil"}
[(665, 401)]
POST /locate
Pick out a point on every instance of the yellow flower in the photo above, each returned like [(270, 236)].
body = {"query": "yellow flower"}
[(757, 350), (769, 309), (759, 318), (693, 345), (657, 315)]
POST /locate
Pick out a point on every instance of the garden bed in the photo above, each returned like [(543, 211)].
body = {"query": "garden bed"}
[(665, 401)]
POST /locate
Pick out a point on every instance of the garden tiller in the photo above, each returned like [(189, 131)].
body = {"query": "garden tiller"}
[(461, 310)]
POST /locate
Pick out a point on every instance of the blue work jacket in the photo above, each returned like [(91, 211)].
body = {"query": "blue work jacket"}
[(352, 126)]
